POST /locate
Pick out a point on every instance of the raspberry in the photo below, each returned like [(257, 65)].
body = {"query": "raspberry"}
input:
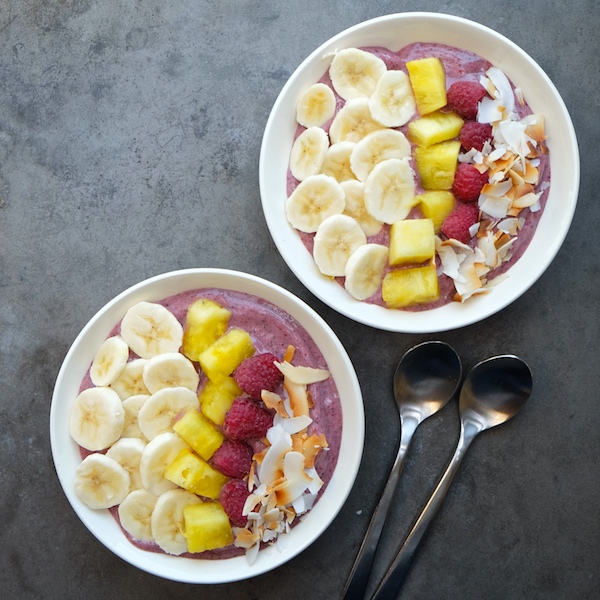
[(233, 497), (468, 182), (456, 225), (474, 135), (258, 373), (233, 458), (246, 420), (463, 98)]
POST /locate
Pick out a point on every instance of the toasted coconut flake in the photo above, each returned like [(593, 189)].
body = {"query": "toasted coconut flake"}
[(503, 87), (271, 468), (298, 397), (311, 447), (244, 538), (496, 190), (510, 225), (488, 249), (275, 402), (502, 240), (450, 260), (534, 127), (289, 354), (296, 424), (302, 375), (526, 200), (489, 111), (494, 207)]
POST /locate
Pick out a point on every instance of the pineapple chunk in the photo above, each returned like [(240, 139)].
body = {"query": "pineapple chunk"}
[(216, 398), (405, 287), (411, 241), (436, 205), (428, 81), (437, 164), (199, 432), (207, 527), (222, 357), (194, 474), (434, 127), (205, 321)]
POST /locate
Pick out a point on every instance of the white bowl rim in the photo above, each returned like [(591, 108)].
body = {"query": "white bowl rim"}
[(522, 275), (103, 526)]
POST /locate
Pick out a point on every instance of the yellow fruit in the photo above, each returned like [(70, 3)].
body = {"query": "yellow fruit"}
[(406, 287), (206, 527), (194, 474), (434, 127), (205, 321), (216, 398), (436, 205), (428, 81), (199, 432), (437, 164), (411, 241), (222, 357)]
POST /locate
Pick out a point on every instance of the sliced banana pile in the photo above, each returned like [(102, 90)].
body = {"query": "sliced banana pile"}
[(353, 168)]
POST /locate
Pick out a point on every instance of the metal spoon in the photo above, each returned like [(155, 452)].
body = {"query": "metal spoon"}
[(492, 393), (426, 378)]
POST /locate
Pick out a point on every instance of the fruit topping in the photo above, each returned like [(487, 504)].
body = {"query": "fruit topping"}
[(468, 182), (258, 373), (428, 81), (233, 458), (475, 135), (233, 497), (458, 223), (464, 98), (246, 420)]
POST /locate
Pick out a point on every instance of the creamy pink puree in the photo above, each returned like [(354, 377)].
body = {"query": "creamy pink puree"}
[(459, 65), (272, 330)]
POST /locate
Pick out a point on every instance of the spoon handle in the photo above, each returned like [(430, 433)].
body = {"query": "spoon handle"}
[(358, 579), (394, 578)]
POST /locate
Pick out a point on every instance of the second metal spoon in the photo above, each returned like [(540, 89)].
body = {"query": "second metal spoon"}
[(426, 378)]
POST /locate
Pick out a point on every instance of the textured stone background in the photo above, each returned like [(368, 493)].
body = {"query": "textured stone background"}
[(129, 144)]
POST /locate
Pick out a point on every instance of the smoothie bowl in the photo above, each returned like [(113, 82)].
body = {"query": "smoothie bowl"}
[(206, 426), (419, 172)]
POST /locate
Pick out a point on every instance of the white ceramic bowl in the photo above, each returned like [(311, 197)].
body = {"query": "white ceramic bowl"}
[(394, 32), (66, 452)]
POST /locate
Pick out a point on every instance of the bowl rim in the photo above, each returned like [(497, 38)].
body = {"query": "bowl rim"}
[(454, 315), (103, 526)]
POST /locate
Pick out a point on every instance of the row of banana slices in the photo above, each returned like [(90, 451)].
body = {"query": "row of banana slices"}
[(131, 410), (356, 177)]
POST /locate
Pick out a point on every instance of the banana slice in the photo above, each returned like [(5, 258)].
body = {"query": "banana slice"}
[(315, 199), (393, 103), (128, 452), (376, 147), (109, 361), (158, 454), (336, 239), (97, 418), (167, 521), (390, 190), (100, 481), (337, 161), (135, 513), (132, 405), (308, 153), (150, 329), (316, 106), (130, 382), (354, 73), (159, 412), (365, 269), (170, 369), (355, 207), (353, 122)]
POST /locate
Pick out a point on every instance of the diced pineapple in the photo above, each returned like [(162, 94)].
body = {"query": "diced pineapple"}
[(216, 398), (411, 241), (194, 474), (428, 81), (436, 205), (222, 357), (205, 321), (199, 432), (406, 287), (434, 127), (207, 527), (437, 164)]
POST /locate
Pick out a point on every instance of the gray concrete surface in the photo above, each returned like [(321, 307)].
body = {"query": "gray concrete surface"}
[(127, 130)]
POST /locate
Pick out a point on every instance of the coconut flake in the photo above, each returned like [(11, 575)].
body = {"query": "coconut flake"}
[(494, 207), (302, 375), (503, 87)]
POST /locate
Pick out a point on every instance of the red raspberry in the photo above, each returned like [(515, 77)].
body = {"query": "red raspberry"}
[(456, 225), (233, 497), (246, 420), (468, 182), (258, 373), (233, 458), (475, 135), (463, 98)]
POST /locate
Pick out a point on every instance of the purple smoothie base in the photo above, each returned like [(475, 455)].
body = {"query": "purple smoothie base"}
[(272, 330), (458, 65)]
